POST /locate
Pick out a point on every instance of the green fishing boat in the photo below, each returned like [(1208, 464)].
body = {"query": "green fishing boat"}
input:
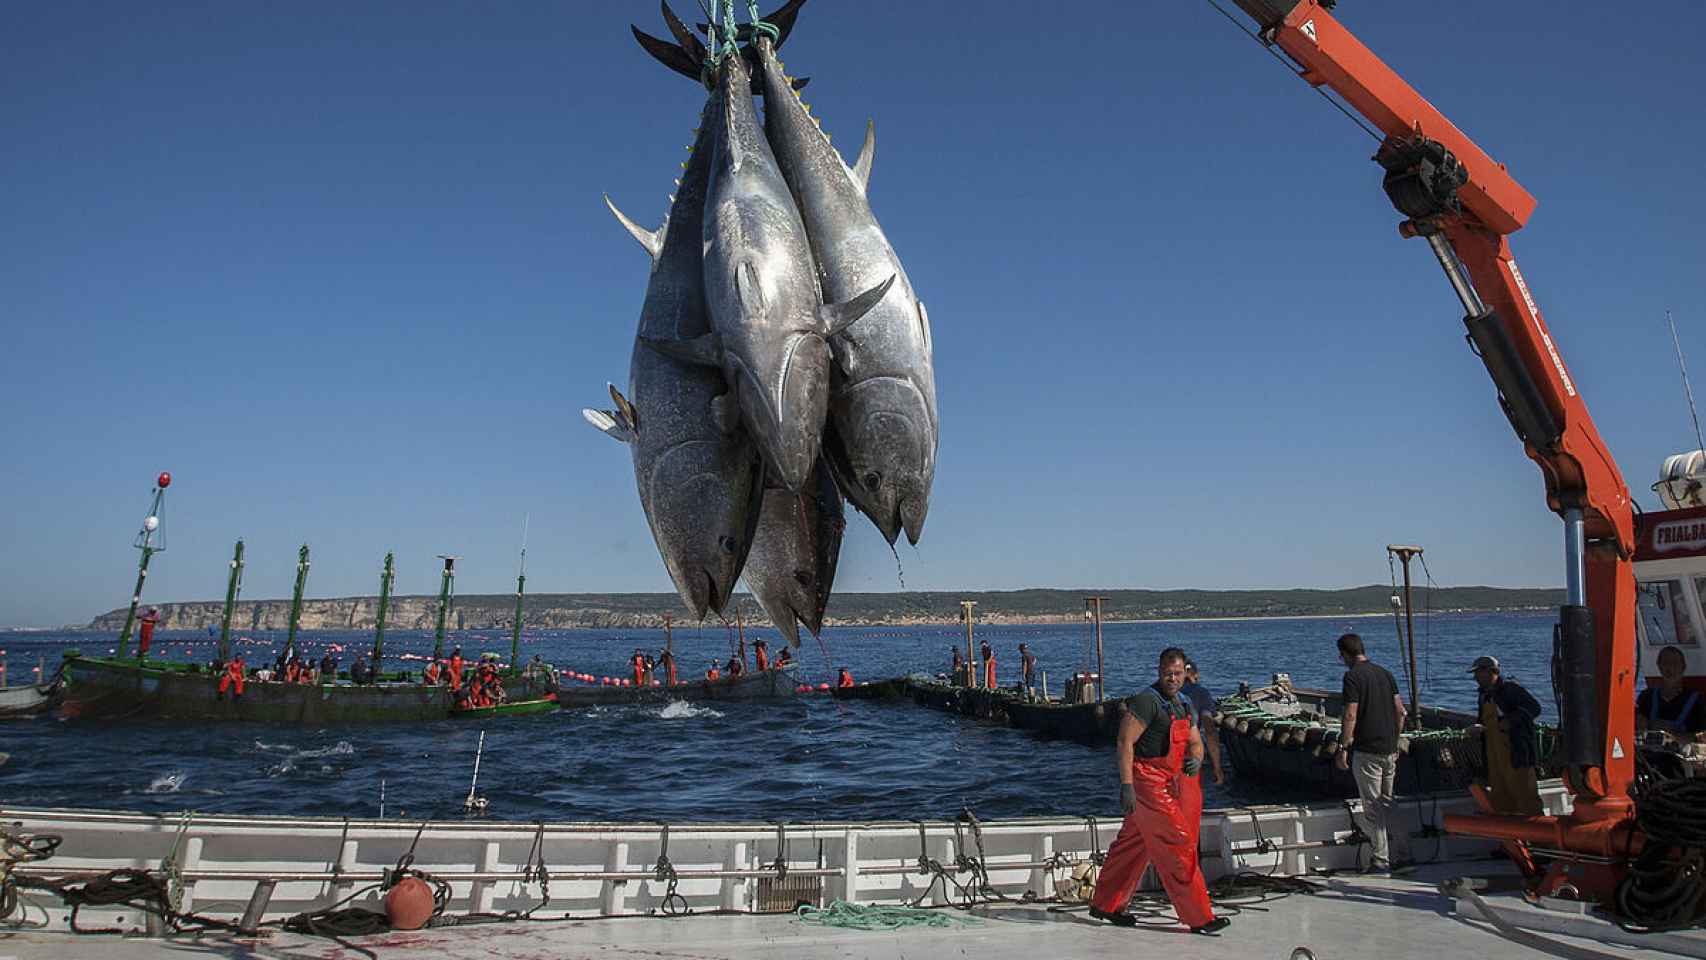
[(546, 704)]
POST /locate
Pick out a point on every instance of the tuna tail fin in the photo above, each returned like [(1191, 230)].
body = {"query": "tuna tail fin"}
[(702, 351), (669, 54), (683, 36), (605, 422), (867, 153), (837, 317), (690, 66), (652, 240)]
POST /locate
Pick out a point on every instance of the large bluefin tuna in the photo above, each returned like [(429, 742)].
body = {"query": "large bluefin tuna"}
[(792, 565), (700, 483), (771, 324), (882, 434)]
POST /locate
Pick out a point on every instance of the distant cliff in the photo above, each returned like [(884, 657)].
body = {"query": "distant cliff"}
[(617, 610)]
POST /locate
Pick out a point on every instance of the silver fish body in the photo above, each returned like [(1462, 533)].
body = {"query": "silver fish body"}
[(792, 565), (883, 428), (701, 485), (762, 290)]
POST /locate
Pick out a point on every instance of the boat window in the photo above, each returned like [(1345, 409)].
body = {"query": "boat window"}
[(1665, 617)]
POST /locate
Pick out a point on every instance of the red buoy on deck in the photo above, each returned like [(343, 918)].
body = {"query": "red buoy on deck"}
[(409, 904)]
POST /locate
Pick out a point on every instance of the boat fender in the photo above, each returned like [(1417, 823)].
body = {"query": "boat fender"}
[(408, 905)]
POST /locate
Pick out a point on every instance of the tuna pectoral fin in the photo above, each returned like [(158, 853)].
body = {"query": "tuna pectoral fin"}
[(703, 351), (625, 412), (862, 167), (652, 240), (837, 317), (605, 421)]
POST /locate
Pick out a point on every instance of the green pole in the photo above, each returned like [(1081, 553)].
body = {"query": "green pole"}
[(384, 602), (444, 603), (520, 589), (145, 543), (296, 601), (232, 586)]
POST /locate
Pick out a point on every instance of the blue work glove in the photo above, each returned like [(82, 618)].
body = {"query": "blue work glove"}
[(1128, 799), (1193, 766)]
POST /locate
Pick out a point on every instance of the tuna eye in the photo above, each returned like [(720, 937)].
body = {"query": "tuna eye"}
[(873, 480), (728, 544)]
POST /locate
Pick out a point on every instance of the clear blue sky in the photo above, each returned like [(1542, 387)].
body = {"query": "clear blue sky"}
[(345, 270)]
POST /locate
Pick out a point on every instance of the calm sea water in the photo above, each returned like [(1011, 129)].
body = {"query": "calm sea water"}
[(812, 759)]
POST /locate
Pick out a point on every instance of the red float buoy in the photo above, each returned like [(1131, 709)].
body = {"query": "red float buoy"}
[(164, 480), (409, 904), (823, 686)]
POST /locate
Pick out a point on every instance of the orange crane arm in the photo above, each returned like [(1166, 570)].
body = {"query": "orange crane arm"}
[(1466, 205)]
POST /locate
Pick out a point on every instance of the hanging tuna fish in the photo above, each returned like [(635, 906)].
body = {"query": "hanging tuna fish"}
[(700, 483)]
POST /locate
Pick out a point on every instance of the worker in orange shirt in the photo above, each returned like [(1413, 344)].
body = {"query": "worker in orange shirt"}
[(988, 666), (760, 655), (456, 666), (845, 679), (233, 677), (711, 672)]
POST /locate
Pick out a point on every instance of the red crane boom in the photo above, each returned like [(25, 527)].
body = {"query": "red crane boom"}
[(1466, 205)]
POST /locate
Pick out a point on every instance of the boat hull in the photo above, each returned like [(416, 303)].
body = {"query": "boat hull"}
[(977, 702), (891, 689), (1296, 751), (1092, 723), (766, 685), (103, 689), (512, 708), (29, 700)]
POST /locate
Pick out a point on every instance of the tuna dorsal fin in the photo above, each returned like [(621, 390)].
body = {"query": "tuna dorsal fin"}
[(652, 240), (837, 317), (625, 412), (703, 351), (605, 422), (867, 152)]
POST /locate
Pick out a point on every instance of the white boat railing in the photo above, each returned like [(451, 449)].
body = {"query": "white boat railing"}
[(216, 862)]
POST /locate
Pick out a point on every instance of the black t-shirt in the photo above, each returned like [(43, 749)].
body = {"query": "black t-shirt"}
[(1157, 715), (1688, 710), (1371, 687)]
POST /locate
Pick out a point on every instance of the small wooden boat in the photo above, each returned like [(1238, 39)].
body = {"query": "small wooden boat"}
[(773, 684), (30, 699), (1288, 736), (509, 708), (893, 688)]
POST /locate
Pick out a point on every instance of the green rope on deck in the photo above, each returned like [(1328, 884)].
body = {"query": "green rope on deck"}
[(860, 916)]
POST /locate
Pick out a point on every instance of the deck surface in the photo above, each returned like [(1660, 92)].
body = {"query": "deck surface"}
[(1352, 917)]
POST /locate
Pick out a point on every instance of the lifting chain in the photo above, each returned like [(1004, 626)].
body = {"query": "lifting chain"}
[(674, 904)]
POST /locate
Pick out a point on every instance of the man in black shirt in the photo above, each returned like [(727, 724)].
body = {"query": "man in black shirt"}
[(1158, 743), (1670, 706), (1373, 714)]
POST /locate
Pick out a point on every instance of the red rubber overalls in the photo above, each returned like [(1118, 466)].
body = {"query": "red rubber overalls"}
[(233, 677), (1159, 829)]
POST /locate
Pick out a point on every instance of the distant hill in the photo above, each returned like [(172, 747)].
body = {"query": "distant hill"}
[(563, 610)]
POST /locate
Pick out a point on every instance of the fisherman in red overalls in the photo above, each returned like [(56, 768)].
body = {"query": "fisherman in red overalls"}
[(1158, 742), (761, 656), (233, 677), (456, 666), (638, 660), (145, 637)]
